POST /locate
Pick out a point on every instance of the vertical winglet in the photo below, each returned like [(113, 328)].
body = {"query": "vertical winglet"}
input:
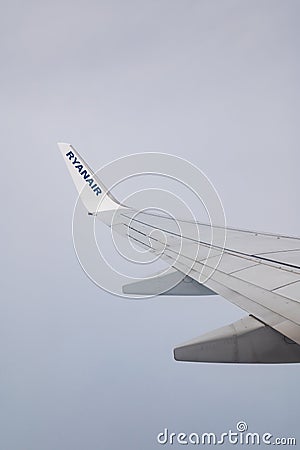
[(92, 192)]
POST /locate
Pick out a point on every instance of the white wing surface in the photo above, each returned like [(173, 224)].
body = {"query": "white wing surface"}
[(258, 272)]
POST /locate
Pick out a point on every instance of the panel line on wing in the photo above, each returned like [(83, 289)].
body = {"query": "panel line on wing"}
[(213, 245), (285, 285)]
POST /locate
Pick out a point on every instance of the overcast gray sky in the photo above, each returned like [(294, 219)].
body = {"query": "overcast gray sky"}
[(216, 82)]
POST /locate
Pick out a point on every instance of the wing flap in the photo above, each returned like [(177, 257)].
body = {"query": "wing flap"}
[(272, 308), (170, 282)]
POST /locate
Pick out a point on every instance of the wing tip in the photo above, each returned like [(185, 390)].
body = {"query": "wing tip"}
[(63, 145)]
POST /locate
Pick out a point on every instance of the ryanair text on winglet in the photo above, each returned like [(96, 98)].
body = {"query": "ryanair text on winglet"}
[(84, 173)]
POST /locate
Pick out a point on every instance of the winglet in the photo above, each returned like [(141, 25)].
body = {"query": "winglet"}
[(94, 195)]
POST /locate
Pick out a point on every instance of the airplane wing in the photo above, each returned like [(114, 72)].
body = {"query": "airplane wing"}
[(258, 272)]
